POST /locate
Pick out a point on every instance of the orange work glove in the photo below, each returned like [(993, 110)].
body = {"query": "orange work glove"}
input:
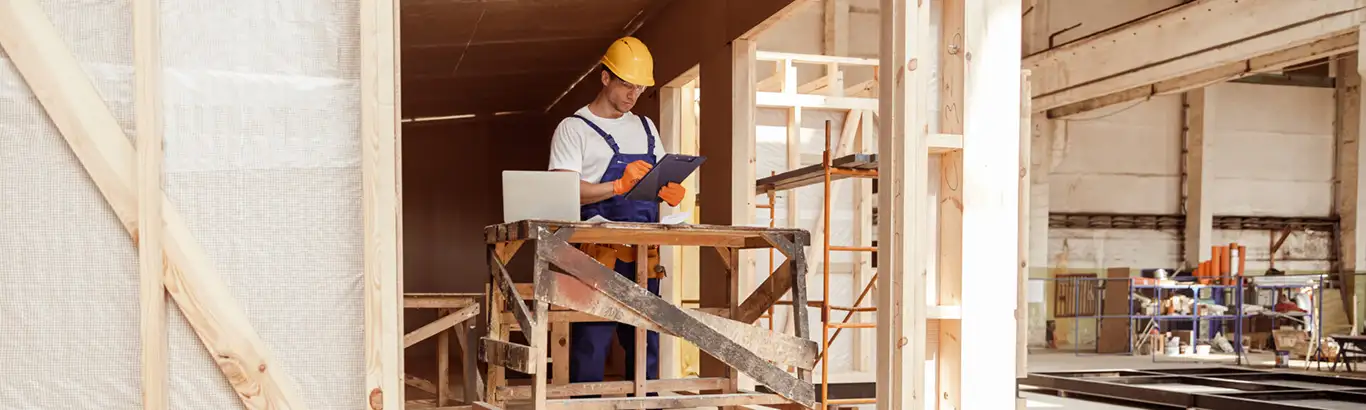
[(634, 172), (672, 193)]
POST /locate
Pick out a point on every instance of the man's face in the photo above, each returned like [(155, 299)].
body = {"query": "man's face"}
[(621, 94)]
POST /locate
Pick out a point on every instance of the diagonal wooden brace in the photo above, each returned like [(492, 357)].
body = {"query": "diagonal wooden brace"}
[(766, 294), (675, 320), (519, 309), (780, 348), (75, 107)]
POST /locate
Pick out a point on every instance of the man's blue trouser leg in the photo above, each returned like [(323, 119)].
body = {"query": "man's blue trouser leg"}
[(590, 342)]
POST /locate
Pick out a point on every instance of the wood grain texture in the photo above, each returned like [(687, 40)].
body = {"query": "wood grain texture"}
[(505, 284), (766, 294), (620, 387), (151, 266), (75, 107), (779, 348), (950, 260), (379, 129), (439, 325), (510, 355), (675, 320)]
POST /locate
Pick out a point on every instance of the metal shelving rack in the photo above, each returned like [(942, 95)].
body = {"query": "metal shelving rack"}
[(1218, 294)]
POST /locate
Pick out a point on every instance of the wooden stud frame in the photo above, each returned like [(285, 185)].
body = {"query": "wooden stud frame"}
[(595, 292), (127, 178)]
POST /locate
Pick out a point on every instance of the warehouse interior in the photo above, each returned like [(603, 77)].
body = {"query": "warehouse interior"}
[(948, 204), (1111, 189)]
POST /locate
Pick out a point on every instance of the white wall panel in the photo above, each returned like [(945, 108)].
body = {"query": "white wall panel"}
[(1273, 150)]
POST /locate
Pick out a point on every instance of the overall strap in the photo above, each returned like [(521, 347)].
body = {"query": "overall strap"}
[(610, 142), (649, 136)]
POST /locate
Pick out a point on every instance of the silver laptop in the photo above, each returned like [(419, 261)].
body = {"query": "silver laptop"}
[(548, 195)]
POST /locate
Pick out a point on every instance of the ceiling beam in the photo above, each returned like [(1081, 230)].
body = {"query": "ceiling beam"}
[(1335, 45), (1181, 41)]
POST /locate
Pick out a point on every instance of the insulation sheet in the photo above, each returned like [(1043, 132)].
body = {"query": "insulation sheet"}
[(262, 160)]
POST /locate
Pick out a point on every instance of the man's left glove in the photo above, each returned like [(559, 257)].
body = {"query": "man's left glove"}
[(672, 193)]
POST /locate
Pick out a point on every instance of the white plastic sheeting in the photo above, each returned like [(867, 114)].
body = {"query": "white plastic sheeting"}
[(263, 162)]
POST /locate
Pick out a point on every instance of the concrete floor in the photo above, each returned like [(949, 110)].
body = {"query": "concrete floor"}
[(1048, 361)]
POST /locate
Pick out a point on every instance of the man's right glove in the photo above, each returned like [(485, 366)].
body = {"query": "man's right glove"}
[(634, 172)]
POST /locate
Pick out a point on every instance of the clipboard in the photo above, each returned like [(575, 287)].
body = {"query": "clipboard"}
[(673, 168)]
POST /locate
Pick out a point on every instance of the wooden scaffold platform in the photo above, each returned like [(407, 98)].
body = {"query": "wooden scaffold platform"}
[(571, 286)]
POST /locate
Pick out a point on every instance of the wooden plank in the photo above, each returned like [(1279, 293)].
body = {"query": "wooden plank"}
[(864, 348), (814, 58), (469, 366), (1114, 332), (510, 355), (505, 284), (782, 349), (559, 352), (675, 320), (642, 277), (668, 402), (1180, 41), (147, 62), (1239, 69), (837, 29), (813, 101), (726, 401), (766, 294), (903, 156), (991, 173), (379, 129), (815, 174), (440, 300), (95, 137), (1022, 279), (439, 325), (948, 341), (539, 333), (613, 388), (443, 364), (628, 233)]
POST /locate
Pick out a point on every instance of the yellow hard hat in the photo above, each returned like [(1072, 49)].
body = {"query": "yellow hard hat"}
[(628, 58)]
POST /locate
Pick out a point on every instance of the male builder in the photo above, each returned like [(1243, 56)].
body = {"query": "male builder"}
[(611, 149)]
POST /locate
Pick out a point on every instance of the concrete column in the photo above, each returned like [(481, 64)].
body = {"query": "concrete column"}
[(1199, 182), (1348, 178)]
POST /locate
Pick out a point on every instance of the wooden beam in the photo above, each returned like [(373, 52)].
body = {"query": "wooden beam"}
[(815, 58), (733, 400), (783, 349), (379, 129), (1327, 47), (147, 62), (621, 387), (1022, 280), (903, 157), (813, 101), (510, 355), (439, 325), (765, 295), (946, 346), (1185, 39), (836, 16), (675, 320), (991, 178), (97, 140)]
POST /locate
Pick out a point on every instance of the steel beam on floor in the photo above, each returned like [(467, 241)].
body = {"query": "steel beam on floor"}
[(1214, 388)]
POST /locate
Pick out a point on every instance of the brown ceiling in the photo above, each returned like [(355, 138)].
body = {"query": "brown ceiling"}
[(486, 56)]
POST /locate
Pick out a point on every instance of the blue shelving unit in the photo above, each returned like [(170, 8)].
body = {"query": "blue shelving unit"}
[(1217, 292)]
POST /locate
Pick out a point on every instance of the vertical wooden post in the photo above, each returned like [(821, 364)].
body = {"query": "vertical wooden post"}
[(727, 122), (991, 172), (379, 168), (948, 341), (539, 334), (642, 278), (1022, 281), (443, 362), (903, 156), (147, 59)]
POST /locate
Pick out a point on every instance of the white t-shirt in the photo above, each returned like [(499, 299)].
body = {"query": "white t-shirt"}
[(577, 147)]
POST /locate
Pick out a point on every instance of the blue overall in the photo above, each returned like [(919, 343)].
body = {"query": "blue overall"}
[(590, 341)]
